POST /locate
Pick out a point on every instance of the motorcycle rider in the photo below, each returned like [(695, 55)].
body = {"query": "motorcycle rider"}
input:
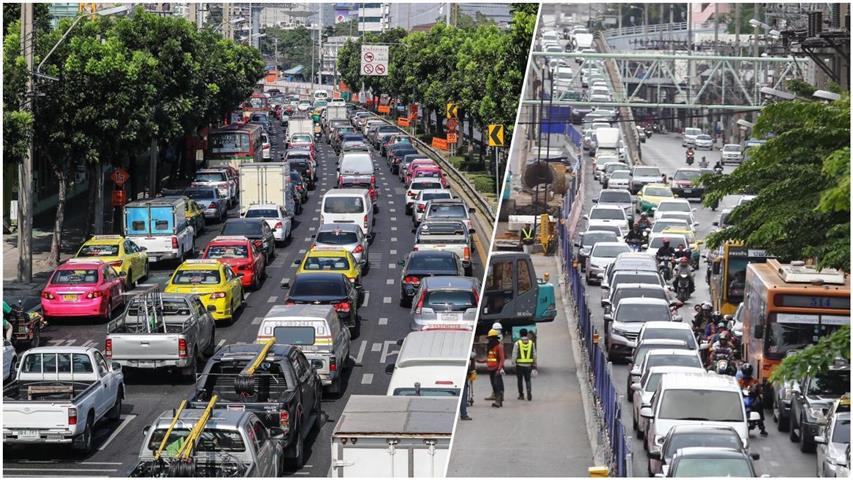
[(690, 154), (644, 221), (635, 236), (749, 383), (680, 253), (703, 316), (703, 163), (721, 348), (664, 251), (718, 167), (683, 267)]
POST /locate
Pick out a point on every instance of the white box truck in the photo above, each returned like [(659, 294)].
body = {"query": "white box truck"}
[(607, 139), (265, 183), (300, 125), (393, 436)]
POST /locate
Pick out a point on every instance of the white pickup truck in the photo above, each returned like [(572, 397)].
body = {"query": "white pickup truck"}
[(58, 396), (448, 236)]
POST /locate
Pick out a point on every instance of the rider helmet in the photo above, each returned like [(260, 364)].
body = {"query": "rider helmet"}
[(683, 261), (746, 369), (707, 306)]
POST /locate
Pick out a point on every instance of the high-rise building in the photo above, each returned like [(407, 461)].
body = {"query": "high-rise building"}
[(371, 17), (329, 58)]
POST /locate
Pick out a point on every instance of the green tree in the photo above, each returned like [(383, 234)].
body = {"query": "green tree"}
[(342, 29), (801, 177), (815, 358), (294, 46)]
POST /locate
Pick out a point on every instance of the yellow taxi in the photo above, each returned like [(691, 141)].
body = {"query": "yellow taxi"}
[(651, 195), (325, 261), (214, 282), (126, 257)]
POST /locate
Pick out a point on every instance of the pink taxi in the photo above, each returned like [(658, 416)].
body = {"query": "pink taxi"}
[(82, 288)]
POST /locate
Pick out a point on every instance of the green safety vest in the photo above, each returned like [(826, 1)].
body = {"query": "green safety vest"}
[(527, 233), (525, 352)]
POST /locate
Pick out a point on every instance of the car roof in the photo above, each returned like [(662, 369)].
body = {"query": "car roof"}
[(687, 428), (607, 207), (710, 452), (327, 252), (431, 253), (666, 325), (641, 286), (699, 381), (76, 263), (314, 276), (671, 368), (244, 220), (343, 227), (642, 301), (609, 244), (346, 192), (674, 200), (669, 352), (264, 206)]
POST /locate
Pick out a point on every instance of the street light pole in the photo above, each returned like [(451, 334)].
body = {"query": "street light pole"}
[(25, 169)]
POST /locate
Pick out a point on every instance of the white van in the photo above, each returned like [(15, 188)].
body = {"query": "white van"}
[(348, 205), (321, 95), (317, 331), (695, 399), (431, 363), (355, 164)]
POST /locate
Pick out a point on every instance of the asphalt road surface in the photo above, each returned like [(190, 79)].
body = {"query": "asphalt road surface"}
[(384, 322), (779, 457)]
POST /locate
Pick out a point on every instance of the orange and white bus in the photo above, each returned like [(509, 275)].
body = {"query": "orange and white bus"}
[(234, 145), (788, 307)]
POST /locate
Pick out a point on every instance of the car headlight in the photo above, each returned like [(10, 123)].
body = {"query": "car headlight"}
[(620, 332), (817, 413)]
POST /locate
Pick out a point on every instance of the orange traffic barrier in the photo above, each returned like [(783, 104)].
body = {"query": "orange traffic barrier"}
[(440, 143), (384, 109), (402, 122)]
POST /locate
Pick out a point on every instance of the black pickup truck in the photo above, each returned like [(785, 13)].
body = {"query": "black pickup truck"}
[(284, 391)]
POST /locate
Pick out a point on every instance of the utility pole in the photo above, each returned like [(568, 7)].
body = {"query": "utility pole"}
[(737, 29), (275, 41), (447, 20), (320, 43), (25, 170)]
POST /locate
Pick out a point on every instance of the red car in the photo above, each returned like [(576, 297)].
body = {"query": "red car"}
[(429, 171), (241, 255), (83, 288), (421, 162)]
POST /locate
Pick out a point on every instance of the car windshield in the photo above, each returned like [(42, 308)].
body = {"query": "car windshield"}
[(702, 439), (614, 197), (201, 194), (608, 251), (647, 172), (661, 225), (210, 177), (713, 467), (638, 292), (253, 228), (643, 350), (98, 251), (210, 440), (831, 383), (196, 277), (614, 167), (642, 313), (356, 164), (337, 237), (652, 382), (326, 263), (687, 175), (343, 205), (702, 405), (302, 335), (669, 334), (674, 360), (450, 300), (692, 131), (429, 263), (675, 207), (657, 192), (620, 175), (300, 138), (447, 211), (591, 238), (841, 434), (227, 251), (434, 195), (75, 277), (417, 186), (304, 286), (731, 148), (607, 214), (647, 278), (703, 137), (261, 213)]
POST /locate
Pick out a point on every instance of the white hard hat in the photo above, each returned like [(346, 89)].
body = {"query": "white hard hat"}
[(497, 326)]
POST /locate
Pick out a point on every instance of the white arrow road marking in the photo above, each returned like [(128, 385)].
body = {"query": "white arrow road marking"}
[(389, 348), (361, 349)]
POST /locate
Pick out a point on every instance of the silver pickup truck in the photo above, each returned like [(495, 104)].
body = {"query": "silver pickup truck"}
[(448, 236), (58, 396), (161, 330)]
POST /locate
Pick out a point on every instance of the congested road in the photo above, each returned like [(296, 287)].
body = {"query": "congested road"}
[(779, 457), (384, 322)]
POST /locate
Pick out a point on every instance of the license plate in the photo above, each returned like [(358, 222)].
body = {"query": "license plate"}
[(237, 408), (28, 434), (449, 317), (688, 190), (69, 298)]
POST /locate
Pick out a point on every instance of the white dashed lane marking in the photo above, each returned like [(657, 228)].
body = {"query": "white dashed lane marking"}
[(272, 299), (392, 266), (393, 229), (383, 321), (366, 299), (393, 239), (393, 219), (386, 300), (367, 379), (376, 347), (361, 349), (390, 281)]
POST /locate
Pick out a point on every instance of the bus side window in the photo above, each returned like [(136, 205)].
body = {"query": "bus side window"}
[(758, 330), (715, 268)]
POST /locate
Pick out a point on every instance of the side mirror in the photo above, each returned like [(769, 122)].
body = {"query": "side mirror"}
[(755, 456), (600, 276), (143, 249), (654, 455), (636, 387), (704, 346), (755, 416), (402, 262), (586, 217), (146, 430), (646, 412), (115, 366), (606, 301), (577, 244), (758, 331), (608, 317), (695, 224), (472, 210), (817, 439), (594, 200), (644, 246), (211, 308), (472, 231), (677, 318), (389, 369)]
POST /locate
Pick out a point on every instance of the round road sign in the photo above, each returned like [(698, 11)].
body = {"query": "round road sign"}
[(368, 56), (368, 69), (119, 176), (380, 68)]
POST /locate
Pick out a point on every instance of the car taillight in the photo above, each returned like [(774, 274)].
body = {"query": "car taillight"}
[(411, 279), (466, 253), (117, 263), (333, 365), (421, 207), (284, 419), (415, 248), (258, 243), (47, 295), (412, 194), (444, 382), (94, 294), (182, 348), (342, 307), (290, 302), (358, 249), (365, 221), (108, 348), (212, 205), (174, 242), (72, 416), (215, 295), (279, 225), (420, 304)]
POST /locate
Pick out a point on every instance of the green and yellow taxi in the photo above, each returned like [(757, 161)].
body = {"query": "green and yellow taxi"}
[(214, 282), (127, 258), (326, 261), (651, 195)]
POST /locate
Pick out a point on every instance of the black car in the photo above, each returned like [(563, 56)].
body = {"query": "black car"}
[(422, 264), (396, 153), (302, 165), (255, 229), (327, 289), (711, 462), (301, 187), (686, 436)]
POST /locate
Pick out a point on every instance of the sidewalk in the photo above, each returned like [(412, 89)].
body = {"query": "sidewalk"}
[(543, 438)]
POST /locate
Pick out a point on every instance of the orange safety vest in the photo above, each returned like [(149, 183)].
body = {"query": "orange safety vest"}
[(492, 358)]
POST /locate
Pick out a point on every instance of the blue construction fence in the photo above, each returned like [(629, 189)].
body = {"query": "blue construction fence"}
[(604, 391)]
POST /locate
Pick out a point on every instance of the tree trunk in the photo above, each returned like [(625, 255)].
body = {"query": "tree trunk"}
[(471, 140), (56, 242), (98, 207), (90, 214)]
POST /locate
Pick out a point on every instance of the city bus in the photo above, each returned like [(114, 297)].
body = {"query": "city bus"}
[(233, 145), (258, 102), (727, 266), (788, 307)]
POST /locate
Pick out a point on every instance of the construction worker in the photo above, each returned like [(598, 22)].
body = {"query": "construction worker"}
[(470, 376), (524, 357), (495, 358), (527, 234)]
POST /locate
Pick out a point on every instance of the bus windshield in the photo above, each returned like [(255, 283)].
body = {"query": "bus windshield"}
[(736, 279), (790, 332)]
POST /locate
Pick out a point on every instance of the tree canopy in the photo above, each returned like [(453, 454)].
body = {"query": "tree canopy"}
[(815, 358), (801, 179)]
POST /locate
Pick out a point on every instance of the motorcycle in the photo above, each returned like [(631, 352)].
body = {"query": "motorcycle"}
[(690, 157), (749, 405), (634, 245), (26, 326), (722, 362), (682, 287), (665, 268), (718, 170), (648, 131)]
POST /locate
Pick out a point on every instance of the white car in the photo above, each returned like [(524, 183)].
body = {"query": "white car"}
[(674, 205), (643, 390), (601, 167), (731, 153), (420, 183), (685, 216), (337, 102), (607, 215), (303, 106), (688, 138), (601, 255), (673, 223), (704, 142), (276, 218), (267, 147), (619, 179), (425, 196), (656, 241)]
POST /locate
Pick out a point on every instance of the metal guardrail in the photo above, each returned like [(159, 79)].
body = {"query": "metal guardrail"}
[(630, 136), (644, 29)]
